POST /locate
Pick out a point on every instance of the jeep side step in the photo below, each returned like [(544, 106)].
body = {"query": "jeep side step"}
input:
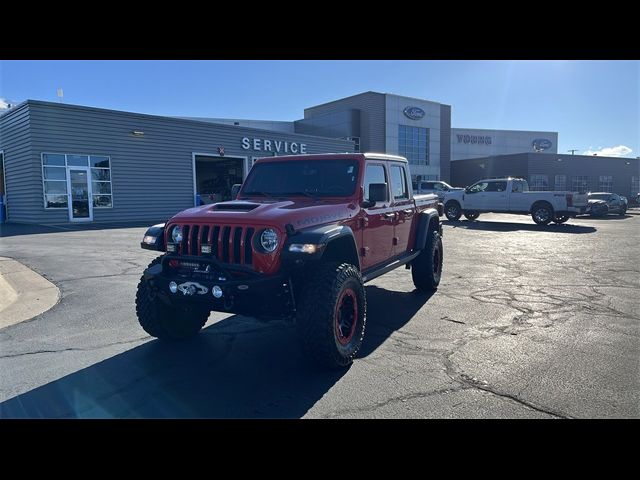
[(374, 273)]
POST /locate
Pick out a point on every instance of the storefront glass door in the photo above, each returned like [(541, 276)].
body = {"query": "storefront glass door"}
[(79, 187)]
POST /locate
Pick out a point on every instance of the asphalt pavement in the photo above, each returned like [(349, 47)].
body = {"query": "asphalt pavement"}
[(528, 322)]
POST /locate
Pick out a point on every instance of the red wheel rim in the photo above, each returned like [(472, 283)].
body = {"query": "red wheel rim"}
[(346, 316)]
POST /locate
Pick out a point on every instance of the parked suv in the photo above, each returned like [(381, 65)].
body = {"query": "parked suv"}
[(300, 240), (614, 203)]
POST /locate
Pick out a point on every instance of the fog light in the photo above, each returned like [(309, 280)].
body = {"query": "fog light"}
[(173, 287), (217, 291), (205, 248)]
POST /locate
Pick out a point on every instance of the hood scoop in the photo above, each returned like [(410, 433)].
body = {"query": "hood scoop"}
[(235, 206)]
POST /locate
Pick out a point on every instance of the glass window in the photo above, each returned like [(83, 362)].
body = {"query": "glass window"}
[(100, 174), (55, 187), (77, 161), (102, 201), (413, 144), (605, 183), (373, 174), (579, 184), (53, 159), (55, 201), (561, 182), (102, 162), (479, 187), (635, 185), (55, 173), (398, 182), (496, 187), (323, 178), (101, 187), (539, 182)]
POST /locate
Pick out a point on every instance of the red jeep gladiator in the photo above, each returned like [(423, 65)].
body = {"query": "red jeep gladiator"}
[(299, 241)]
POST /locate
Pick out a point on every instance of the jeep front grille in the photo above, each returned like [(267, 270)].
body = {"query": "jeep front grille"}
[(229, 244)]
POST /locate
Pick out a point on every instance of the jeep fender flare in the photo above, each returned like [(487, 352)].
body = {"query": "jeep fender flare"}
[(156, 231), (335, 242), (428, 221)]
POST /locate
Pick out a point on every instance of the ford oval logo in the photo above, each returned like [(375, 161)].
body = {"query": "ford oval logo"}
[(414, 113), (540, 144)]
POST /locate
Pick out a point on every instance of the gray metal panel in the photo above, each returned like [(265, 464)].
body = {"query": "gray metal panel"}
[(372, 117), (22, 171), (445, 142), (152, 175), (342, 124), (466, 172)]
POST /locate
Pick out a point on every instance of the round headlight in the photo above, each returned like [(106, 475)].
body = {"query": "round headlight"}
[(176, 234), (269, 240)]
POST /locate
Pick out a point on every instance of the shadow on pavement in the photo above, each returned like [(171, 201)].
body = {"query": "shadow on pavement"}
[(236, 368), (16, 229), (387, 312), (612, 216), (512, 227)]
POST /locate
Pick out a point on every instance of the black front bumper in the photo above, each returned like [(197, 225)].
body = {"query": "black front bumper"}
[(244, 291)]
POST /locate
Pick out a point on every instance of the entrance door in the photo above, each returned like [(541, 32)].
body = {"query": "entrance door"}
[(79, 187)]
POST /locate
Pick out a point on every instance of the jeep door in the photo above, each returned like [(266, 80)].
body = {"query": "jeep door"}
[(403, 207), (376, 221)]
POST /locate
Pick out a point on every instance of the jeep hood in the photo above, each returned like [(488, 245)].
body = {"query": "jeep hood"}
[(301, 213)]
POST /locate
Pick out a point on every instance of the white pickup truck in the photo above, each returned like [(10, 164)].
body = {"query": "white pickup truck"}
[(512, 195)]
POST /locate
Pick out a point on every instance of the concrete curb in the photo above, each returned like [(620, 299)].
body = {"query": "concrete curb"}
[(23, 293)]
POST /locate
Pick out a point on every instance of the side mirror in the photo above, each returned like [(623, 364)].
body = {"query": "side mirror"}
[(234, 190), (378, 192)]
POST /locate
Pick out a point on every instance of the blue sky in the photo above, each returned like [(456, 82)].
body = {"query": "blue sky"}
[(592, 104)]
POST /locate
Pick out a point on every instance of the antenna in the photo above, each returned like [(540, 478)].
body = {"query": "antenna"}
[(60, 94), (573, 151)]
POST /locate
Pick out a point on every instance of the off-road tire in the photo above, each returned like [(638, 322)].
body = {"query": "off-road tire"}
[(334, 292), (453, 211), (163, 321), (471, 215), (426, 269), (623, 212), (542, 213)]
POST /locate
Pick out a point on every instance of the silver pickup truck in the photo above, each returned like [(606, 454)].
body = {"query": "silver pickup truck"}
[(512, 195)]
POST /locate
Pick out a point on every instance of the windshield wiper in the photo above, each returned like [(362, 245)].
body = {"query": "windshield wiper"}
[(306, 194)]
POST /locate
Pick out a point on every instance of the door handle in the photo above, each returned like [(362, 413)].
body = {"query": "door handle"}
[(390, 216), (408, 212)]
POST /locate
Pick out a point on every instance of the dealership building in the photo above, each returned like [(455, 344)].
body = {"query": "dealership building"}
[(577, 173), (66, 163)]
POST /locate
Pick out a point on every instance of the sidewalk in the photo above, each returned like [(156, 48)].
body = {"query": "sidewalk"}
[(23, 293)]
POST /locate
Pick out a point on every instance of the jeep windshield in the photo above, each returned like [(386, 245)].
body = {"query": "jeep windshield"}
[(296, 178)]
